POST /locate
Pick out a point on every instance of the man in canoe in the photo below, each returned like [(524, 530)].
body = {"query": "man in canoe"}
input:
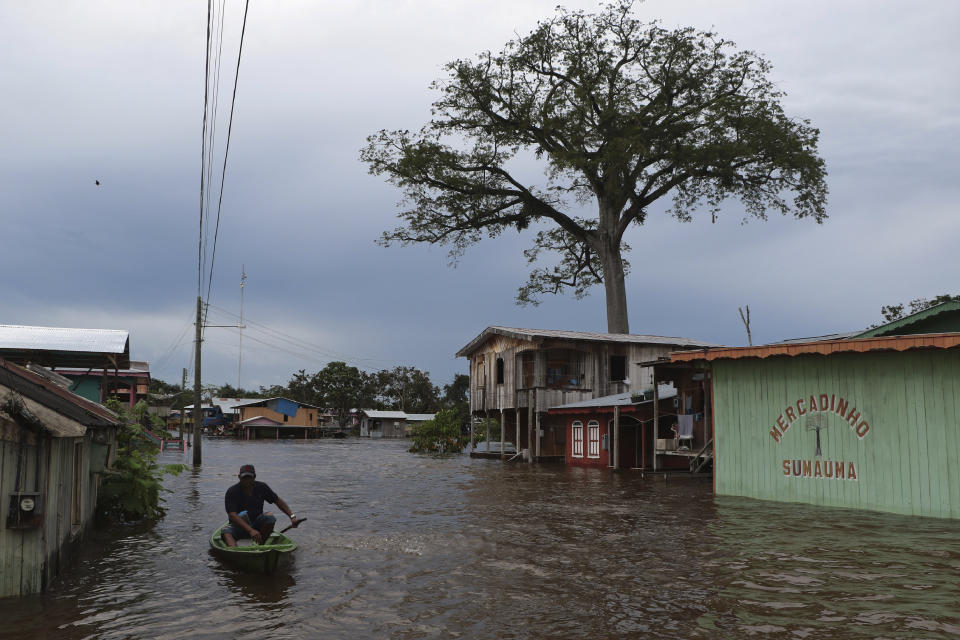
[(246, 498)]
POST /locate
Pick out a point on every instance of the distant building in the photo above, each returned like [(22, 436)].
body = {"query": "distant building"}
[(275, 418), (53, 446)]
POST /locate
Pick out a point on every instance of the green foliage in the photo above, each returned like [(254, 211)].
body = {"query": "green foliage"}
[(622, 114), (132, 490), (440, 435), (487, 424), (456, 396)]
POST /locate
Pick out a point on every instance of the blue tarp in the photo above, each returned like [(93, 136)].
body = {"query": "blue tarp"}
[(286, 407)]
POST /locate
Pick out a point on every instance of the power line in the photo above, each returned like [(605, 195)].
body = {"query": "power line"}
[(226, 153)]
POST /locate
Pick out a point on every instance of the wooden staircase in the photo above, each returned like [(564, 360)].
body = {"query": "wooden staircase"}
[(703, 460)]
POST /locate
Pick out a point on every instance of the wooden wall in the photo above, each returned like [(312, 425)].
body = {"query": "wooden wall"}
[(31, 558), (486, 395), (906, 460), (302, 419)]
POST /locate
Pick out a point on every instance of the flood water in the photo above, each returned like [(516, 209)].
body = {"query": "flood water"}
[(399, 545)]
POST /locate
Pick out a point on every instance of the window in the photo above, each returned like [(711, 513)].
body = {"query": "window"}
[(593, 439), (577, 428), (525, 370), (285, 417), (499, 370), (618, 368), (564, 369), (481, 371)]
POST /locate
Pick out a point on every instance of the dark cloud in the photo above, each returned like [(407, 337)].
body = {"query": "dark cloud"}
[(114, 92)]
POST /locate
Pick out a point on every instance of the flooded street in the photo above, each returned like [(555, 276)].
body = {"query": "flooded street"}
[(404, 546)]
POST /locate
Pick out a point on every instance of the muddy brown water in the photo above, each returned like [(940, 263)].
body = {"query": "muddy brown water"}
[(405, 546)]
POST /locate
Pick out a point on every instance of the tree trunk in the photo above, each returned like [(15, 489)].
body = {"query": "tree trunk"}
[(614, 285)]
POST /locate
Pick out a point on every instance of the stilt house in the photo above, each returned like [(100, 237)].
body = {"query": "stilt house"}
[(518, 375)]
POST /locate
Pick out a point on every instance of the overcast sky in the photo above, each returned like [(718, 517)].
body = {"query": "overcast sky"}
[(113, 91)]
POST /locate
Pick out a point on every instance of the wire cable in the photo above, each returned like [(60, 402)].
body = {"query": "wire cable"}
[(226, 153)]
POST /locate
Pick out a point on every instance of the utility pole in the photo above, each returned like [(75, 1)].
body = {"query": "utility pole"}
[(243, 278), (183, 403), (197, 412)]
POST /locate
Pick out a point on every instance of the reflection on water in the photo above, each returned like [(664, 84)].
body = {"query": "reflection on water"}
[(404, 546)]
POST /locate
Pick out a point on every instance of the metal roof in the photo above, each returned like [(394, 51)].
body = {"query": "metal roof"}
[(38, 391), (584, 336), (385, 415), (252, 402), (952, 306), (617, 399), (826, 347), (64, 347), (420, 417)]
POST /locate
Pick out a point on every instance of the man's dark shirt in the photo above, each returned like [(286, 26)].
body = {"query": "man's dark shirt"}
[(236, 500)]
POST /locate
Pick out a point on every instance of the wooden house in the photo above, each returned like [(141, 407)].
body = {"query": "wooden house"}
[(635, 432), (128, 386), (276, 418), (517, 375), (868, 422), (53, 446), (382, 424), (389, 424)]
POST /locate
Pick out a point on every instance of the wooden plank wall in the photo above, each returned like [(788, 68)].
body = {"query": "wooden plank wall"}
[(908, 462), (31, 558), (487, 395)]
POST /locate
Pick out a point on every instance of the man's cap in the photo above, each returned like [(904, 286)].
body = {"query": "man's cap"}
[(248, 470)]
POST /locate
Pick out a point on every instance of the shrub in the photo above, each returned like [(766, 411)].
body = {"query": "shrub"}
[(440, 435)]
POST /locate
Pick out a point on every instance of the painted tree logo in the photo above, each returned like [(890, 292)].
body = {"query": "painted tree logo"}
[(816, 422)]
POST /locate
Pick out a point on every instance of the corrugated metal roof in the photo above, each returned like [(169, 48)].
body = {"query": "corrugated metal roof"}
[(897, 325), (43, 391), (385, 415), (252, 402), (63, 339), (617, 399), (585, 336), (825, 347), (420, 417), (65, 347)]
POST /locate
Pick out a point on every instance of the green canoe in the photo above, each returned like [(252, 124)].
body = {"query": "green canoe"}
[(253, 557)]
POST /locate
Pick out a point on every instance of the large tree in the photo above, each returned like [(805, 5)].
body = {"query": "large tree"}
[(623, 114)]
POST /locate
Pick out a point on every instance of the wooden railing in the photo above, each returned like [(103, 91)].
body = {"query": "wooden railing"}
[(700, 460)]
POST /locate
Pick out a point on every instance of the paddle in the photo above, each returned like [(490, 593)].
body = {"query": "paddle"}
[(288, 527)]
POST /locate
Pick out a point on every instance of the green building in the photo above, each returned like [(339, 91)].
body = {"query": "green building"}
[(869, 421)]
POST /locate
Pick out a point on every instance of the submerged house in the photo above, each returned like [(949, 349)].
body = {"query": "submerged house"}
[(276, 418), (867, 421), (518, 375), (53, 446), (389, 424)]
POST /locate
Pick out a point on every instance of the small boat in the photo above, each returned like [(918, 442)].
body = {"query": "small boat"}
[(249, 556)]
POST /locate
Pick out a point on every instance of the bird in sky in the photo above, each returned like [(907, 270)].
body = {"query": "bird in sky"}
[(96, 182)]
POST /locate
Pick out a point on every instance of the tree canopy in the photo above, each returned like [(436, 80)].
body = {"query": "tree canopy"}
[(622, 114)]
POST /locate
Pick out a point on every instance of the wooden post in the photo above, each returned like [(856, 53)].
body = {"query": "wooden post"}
[(530, 397), (656, 419), (537, 414), (516, 442), (503, 433), (486, 428), (615, 449), (473, 425), (197, 411)]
